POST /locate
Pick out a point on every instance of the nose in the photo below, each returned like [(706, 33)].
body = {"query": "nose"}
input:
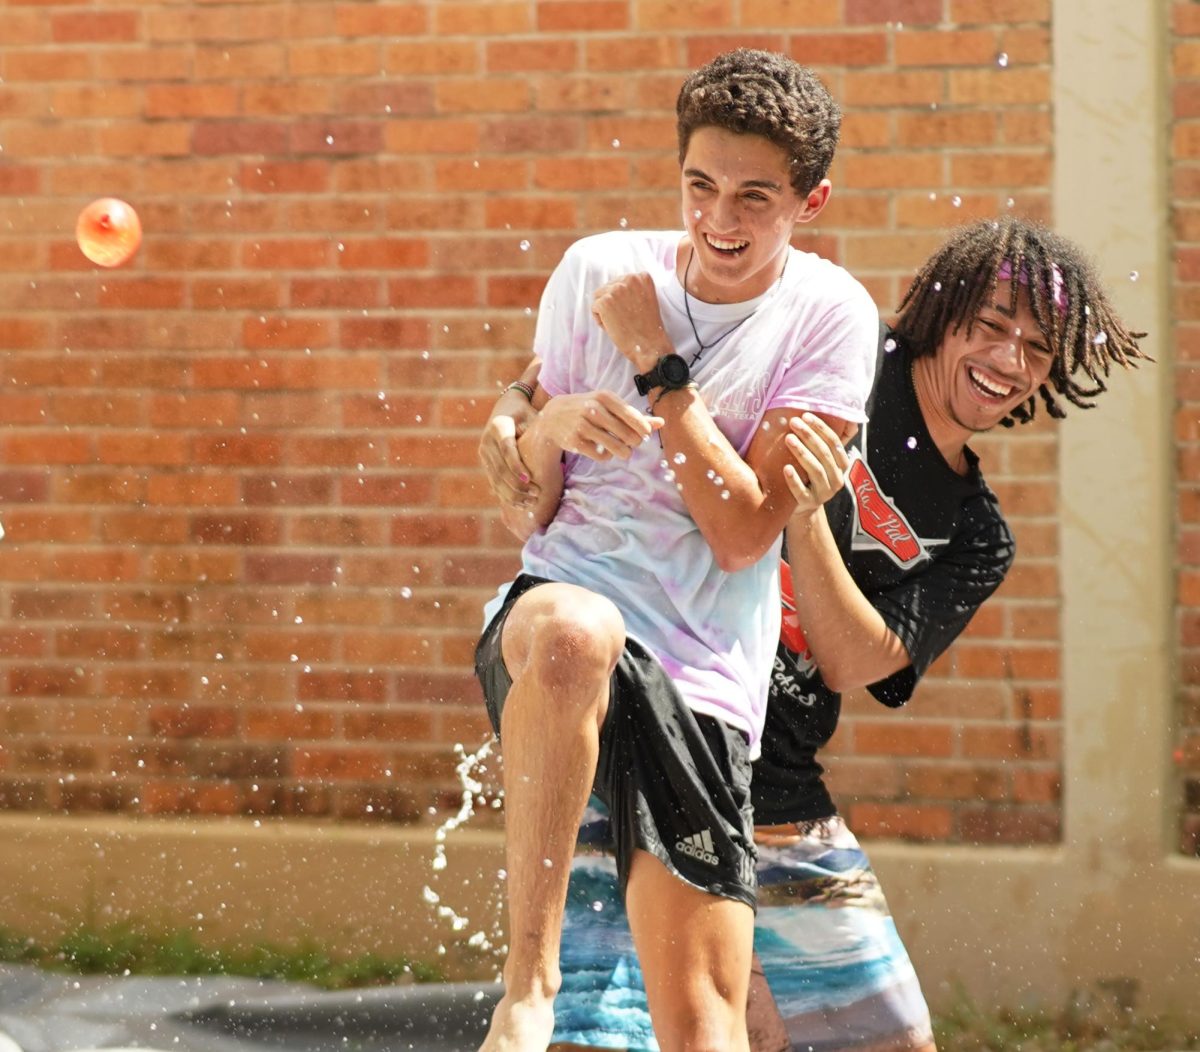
[(723, 214), (1008, 353)]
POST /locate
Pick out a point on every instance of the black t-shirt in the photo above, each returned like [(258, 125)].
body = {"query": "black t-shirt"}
[(925, 545)]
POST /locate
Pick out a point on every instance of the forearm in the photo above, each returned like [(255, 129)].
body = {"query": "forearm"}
[(850, 642), (737, 515), (543, 459)]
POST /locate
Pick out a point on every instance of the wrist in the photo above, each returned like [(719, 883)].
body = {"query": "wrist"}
[(657, 394), (669, 372), (805, 522), (522, 387)]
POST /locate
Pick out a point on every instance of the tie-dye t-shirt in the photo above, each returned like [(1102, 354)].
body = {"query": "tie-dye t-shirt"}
[(622, 528)]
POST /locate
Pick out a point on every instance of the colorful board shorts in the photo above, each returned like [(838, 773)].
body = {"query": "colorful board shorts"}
[(828, 946)]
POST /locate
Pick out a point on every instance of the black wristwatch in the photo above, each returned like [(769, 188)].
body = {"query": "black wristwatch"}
[(670, 372)]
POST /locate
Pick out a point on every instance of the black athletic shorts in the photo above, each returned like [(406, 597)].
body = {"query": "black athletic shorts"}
[(677, 784)]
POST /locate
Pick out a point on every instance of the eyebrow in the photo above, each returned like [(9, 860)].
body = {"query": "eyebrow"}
[(749, 184)]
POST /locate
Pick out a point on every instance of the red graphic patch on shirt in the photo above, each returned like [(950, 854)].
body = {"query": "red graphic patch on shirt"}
[(791, 634), (878, 518)]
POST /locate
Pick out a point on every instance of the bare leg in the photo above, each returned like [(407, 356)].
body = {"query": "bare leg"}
[(695, 951), (560, 646)]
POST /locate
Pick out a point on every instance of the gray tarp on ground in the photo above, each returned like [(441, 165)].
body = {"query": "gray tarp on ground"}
[(58, 1012)]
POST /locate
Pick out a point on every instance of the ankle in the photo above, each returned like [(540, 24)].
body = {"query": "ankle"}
[(532, 988)]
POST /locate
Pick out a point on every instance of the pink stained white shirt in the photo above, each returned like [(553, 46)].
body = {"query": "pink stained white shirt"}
[(622, 528)]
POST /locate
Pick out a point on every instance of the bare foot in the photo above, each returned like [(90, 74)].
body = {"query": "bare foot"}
[(520, 1026)]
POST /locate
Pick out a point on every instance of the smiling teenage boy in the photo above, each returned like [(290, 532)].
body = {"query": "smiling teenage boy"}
[(632, 654)]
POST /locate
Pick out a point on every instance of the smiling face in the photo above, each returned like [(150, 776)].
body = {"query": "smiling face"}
[(739, 209), (983, 374)]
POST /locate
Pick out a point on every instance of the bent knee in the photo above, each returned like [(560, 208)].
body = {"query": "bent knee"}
[(572, 641)]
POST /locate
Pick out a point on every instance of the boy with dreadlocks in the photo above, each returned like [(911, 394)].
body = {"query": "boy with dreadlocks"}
[(882, 579)]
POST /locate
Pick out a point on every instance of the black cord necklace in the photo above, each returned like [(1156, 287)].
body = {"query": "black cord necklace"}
[(687, 307)]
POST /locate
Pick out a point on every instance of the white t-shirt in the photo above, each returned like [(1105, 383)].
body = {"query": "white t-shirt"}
[(622, 529)]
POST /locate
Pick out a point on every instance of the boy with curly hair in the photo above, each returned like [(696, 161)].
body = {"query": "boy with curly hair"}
[(632, 653)]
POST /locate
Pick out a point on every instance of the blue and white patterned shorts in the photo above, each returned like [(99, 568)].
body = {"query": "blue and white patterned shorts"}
[(829, 948)]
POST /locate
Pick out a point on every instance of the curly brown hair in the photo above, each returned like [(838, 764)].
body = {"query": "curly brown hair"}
[(1065, 296), (754, 92)]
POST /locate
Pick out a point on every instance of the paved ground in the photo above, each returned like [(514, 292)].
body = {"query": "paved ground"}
[(56, 1012)]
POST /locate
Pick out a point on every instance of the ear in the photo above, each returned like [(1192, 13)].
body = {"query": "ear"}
[(818, 198)]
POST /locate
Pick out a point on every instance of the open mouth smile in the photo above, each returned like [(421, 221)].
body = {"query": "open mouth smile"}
[(988, 388), (725, 247)]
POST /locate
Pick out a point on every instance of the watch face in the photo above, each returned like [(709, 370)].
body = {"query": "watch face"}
[(674, 370)]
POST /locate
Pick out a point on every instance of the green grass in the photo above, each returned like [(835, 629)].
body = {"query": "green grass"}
[(129, 950), (1102, 1021)]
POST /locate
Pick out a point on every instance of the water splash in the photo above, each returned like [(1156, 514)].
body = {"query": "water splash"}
[(472, 790), (472, 787)]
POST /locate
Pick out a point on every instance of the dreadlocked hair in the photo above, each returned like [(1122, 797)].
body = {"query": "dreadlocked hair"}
[(753, 92), (1084, 333)]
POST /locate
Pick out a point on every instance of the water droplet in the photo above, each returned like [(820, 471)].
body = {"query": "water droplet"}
[(680, 458), (405, 592), (956, 201), (524, 246), (1133, 275), (937, 286), (616, 144), (424, 356), (911, 443), (547, 863), (597, 906), (889, 345), (1002, 60), (1010, 202), (329, 139), (1100, 339), (932, 195), (622, 222), (724, 494)]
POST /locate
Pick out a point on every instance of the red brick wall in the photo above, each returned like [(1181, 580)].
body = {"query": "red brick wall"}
[(247, 543), (1185, 215)]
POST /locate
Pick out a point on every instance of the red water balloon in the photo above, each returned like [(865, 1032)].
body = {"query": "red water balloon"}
[(109, 232)]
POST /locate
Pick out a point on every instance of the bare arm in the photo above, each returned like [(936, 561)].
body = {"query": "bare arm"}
[(850, 642), (522, 452), (510, 416), (741, 506), (542, 457)]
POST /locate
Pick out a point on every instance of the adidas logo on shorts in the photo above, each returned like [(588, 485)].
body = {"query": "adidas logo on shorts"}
[(699, 846)]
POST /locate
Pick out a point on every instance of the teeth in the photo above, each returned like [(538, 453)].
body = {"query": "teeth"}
[(999, 390), (716, 242)]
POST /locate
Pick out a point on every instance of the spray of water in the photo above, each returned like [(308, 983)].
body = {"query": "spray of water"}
[(472, 790)]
